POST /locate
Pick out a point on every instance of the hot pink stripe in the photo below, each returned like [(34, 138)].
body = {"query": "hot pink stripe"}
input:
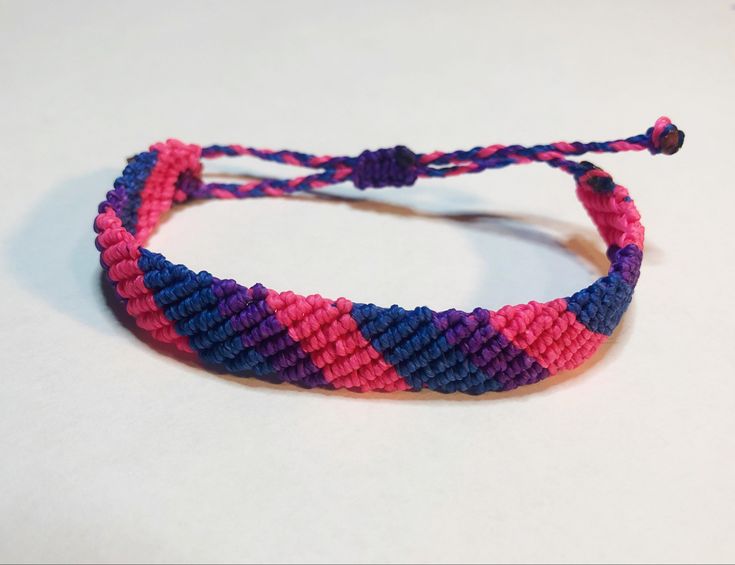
[(342, 173), (564, 146), (219, 193), (490, 150), (614, 213), (120, 253), (429, 157), (248, 186), (548, 332), (658, 128), (295, 181), (326, 331), (271, 191), (319, 161), (157, 196), (291, 160), (549, 155), (626, 146)]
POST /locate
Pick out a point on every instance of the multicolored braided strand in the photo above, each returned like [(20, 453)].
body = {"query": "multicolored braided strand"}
[(317, 342)]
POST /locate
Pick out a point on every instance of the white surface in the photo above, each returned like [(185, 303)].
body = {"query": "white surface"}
[(114, 451)]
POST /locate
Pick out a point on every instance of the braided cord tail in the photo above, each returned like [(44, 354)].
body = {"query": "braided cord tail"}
[(662, 137), (399, 166)]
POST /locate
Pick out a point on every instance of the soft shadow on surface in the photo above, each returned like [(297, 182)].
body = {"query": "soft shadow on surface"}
[(522, 226), (69, 278), (52, 254)]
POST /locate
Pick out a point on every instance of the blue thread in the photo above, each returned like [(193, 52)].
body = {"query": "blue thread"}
[(420, 353), (131, 183), (504, 365), (188, 300), (601, 305)]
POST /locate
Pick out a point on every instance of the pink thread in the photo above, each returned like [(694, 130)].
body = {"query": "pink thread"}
[(327, 332), (120, 253), (548, 332), (616, 217), (658, 129), (157, 196)]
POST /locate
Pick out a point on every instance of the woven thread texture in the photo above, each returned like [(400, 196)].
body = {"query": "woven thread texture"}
[(317, 342)]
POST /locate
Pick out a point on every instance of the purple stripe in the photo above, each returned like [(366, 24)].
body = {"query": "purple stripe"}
[(488, 349), (117, 198), (626, 262), (250, 315)]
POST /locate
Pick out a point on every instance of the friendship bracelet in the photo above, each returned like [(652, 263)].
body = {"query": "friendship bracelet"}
[(313, 341)]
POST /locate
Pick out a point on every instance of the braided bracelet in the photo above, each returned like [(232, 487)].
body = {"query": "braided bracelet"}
[(316, 342)]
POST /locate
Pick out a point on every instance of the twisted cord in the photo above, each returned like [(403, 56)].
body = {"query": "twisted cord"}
[(399, 166)]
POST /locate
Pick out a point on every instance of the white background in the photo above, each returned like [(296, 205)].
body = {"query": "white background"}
[(116, 450)]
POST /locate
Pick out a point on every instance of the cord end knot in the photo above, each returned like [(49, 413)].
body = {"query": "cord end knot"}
[(395, 166), (665, 137), (594, 177)]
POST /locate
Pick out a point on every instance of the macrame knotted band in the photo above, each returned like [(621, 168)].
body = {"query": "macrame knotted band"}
[(314, 341)]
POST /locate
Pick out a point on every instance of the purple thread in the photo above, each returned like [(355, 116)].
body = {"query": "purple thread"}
[(488, 349), (251, 316), (188, 183), (385, 167), (626, 262)]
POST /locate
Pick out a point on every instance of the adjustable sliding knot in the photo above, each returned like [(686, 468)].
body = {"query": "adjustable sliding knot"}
[(395, 166), (665, 137)]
